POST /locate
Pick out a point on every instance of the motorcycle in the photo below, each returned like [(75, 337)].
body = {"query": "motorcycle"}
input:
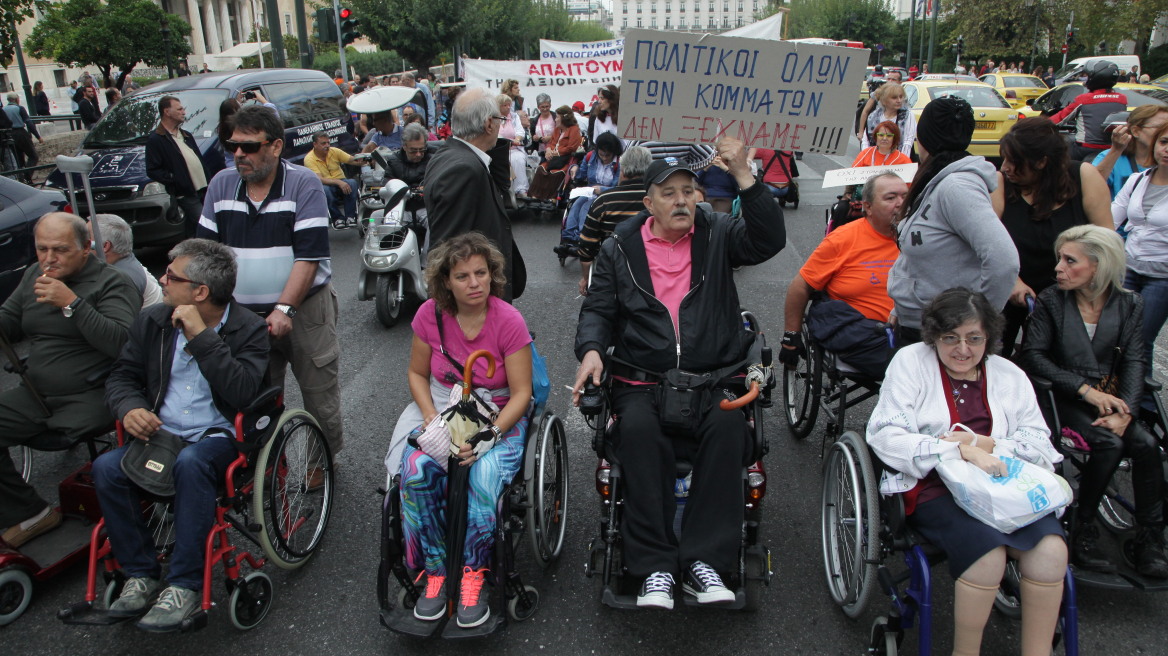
[(391, 255)]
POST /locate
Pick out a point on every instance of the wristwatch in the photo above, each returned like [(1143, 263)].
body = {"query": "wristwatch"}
[(495, 431), (285, 308), (71, 307)]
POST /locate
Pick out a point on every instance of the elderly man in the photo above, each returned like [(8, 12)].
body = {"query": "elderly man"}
[(427, 105), (173, 159), (325, 161), (463, 192), (118, 246), (76, 311), (409, 165), (273, 214), (663, 297), (23, 130), (851, 265), (189, 366), (613, 206)]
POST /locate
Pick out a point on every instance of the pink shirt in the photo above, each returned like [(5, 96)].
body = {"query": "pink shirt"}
[(670, 264), (504, 332)]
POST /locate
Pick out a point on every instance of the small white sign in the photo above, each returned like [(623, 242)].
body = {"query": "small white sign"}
[(861, 174)]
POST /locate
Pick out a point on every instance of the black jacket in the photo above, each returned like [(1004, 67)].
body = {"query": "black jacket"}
[(622, 311), (1056, 346), (234, 361), (86, 109), (411, 173), (165, 163)]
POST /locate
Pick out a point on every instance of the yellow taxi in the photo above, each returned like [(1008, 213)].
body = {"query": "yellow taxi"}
[(993, 116), (1016, 88), (1049, 103), (869, 74)]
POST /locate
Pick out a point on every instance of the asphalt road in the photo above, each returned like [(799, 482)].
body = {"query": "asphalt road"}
[(329, 607)]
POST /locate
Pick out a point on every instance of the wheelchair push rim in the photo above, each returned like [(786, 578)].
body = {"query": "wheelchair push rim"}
[(548, 493), (801, 390), (850, 525)]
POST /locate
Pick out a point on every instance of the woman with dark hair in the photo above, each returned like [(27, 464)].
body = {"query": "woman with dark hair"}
[(227, 110), (951, 398), (950, 234), (1084, 338), (562, 146), (465, 280), (1042, 192), (600, 170), (603, 117)]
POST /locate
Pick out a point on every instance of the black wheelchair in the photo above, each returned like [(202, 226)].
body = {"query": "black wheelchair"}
[(619, 590), (277, 493), (533, 503), (860, 530)]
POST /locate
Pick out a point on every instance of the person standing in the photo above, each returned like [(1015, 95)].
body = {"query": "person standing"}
[(173, 159), (86, 101), (73, 91), (182, 71), (41, 104), (23, 130), (273, 215), (427, 106)]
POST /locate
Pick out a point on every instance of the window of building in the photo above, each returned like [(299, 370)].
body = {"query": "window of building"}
[(667, 22), (653, 8), (287, 23), (712, 23), (625, 24), (653, 23), (59, 78), (638, 22)]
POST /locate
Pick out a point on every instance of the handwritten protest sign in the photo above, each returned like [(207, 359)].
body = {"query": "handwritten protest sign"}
[(564, 81), (578, 50), (861, 174), (770, 94)]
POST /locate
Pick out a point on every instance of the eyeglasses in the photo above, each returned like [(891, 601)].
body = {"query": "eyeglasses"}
[(169, 277), (248, 147), (415, 151), (885, 134), (972, 341), (498, 118)]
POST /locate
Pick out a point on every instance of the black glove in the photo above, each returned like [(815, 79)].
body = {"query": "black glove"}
[(792, 349)]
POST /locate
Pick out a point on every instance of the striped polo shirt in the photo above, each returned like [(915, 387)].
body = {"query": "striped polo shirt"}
[(291, 224), (610, 208)]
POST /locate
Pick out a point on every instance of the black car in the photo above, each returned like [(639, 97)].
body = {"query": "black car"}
[(20, 207)]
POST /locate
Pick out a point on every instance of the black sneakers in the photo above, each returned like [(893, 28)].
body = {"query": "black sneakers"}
[(1085, 551), (701, 581), (1149, 552), (656, 591)]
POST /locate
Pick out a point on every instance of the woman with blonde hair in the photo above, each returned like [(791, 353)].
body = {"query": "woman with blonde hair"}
[(890, 100)]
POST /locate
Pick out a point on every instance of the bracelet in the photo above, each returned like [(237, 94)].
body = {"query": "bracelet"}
[(1083, 396)]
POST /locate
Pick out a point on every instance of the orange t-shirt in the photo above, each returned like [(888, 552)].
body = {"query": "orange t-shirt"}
[(851, 264), (871, 157)]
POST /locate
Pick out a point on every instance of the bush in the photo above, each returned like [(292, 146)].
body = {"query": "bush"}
[(365, 63), (1155, 63)]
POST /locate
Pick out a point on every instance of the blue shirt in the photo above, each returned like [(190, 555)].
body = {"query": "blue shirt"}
[(1120, 172), (188, 410), (392, 140)]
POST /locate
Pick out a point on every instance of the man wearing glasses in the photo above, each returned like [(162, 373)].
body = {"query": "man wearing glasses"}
[(173, 159), (273, 215), (325, 161), (409, 165), (190, 364)]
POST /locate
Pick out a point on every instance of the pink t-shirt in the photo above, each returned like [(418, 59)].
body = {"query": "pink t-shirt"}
[(670, 264), (504, 332)]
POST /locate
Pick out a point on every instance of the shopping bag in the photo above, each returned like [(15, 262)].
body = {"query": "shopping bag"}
[(1024, 495)]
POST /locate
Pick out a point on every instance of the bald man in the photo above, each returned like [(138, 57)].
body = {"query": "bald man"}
[(77, 310)]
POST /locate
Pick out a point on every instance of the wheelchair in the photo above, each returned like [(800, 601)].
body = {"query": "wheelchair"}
[(860, 530), (619, 590), (267, 497), (533, 503)]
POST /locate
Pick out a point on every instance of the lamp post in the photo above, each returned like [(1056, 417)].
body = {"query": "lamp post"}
[(166, 44), (23, 69)]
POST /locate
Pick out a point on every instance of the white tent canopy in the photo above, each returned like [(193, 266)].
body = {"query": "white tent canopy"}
[(245, 50), (767, 28)]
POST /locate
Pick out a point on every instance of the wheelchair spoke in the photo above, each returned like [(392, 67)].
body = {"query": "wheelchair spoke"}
[(296, 492)]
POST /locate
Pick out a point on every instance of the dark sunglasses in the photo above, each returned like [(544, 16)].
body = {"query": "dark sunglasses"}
[(248, 147), (170, 277)]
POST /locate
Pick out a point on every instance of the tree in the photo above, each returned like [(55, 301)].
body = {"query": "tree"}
[(417, 29), (13, 13), (869, 21), (119, 33)]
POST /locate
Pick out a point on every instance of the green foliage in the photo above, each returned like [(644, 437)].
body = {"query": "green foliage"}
[(117, 33), (869, 21), (1156, 61), (365, 63), (13, 13)]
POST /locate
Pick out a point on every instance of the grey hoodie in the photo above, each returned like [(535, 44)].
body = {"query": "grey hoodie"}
[(953, 239)]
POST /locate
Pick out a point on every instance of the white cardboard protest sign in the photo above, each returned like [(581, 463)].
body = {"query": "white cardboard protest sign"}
[(564, 81), (695, 88), (861, 174), (579, 50)]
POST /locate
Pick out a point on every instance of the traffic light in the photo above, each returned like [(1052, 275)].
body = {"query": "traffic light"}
[(326, 25), (350, 28), (960, 46), (1070, 35)]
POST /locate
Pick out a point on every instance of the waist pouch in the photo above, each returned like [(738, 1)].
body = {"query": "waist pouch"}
[(682, 400)]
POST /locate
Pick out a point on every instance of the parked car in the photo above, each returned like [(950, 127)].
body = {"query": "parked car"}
[(1016, 88), (20, 207), (993, 116), (1075, 67), (308, 102)]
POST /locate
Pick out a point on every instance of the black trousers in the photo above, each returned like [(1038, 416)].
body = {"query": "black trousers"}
[(1107, 449), (711, 527), (26, 154), (191, 208)]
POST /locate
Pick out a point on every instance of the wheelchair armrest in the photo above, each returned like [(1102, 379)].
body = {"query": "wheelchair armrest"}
[(1152, 385), (1041, 384), (266, 398)]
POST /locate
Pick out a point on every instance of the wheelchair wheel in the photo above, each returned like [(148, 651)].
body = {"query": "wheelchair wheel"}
[(291, 507), (1118, 503), (801, 390), (160, 520), (250, 601), (15, 593), (548, 491), (520, 612), (1008, 602), (22, 461), (851, 544), (884, 640), (113, 590)]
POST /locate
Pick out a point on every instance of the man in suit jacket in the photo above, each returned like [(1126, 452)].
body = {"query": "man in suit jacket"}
[(462, 194)]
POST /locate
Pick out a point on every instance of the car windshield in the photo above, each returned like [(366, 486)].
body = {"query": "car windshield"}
[(132, 119), (1137, 97), (1022, 81), (976, 96), (1067, 70)]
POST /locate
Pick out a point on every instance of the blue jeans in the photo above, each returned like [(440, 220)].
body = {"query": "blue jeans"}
[(575, 219), (1155, 294), (197, 473), (350, 200), (777, 192)]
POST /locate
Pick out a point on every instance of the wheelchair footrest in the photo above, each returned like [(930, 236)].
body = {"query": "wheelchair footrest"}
[(455, 632), (87, 613), (1125, 579), (629, 602), (402, 620)]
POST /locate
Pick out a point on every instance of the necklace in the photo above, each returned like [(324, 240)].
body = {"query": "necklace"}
[(479, 320), (959, 384)]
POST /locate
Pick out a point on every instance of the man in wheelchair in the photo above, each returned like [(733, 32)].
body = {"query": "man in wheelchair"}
[(663, 299), (75, 310), (851, 267), (190, 364)]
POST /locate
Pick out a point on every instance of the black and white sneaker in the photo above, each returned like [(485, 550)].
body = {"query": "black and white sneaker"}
[(656, 591), (701, 581)]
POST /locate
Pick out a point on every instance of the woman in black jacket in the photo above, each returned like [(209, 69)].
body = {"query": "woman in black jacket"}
[(1085, 337)]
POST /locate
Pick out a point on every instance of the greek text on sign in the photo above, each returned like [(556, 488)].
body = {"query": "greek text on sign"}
[(571, 50), (769, 94), (564, 82), (862, 174)]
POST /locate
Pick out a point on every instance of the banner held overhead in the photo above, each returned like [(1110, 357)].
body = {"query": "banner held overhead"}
[(576, 50), (564, 81)]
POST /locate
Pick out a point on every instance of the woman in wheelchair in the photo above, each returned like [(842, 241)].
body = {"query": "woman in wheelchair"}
[(1085, 337), (465, 313), (953, 377)]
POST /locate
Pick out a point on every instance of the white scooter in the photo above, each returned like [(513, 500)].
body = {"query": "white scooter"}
[(391, 256)]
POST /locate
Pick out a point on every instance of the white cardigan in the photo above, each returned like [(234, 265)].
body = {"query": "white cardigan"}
[(1147, 238), (912, 414)]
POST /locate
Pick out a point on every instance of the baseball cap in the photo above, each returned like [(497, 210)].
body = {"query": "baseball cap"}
[(661, 169), (578, 106)]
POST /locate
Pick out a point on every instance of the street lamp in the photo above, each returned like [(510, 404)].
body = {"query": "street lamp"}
[(166, 44)]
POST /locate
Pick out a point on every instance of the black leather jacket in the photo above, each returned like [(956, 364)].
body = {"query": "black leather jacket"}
[(621, 310), (1057, 348), (411, 173)]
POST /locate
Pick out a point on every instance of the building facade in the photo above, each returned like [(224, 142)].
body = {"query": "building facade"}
[(712, 16)]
